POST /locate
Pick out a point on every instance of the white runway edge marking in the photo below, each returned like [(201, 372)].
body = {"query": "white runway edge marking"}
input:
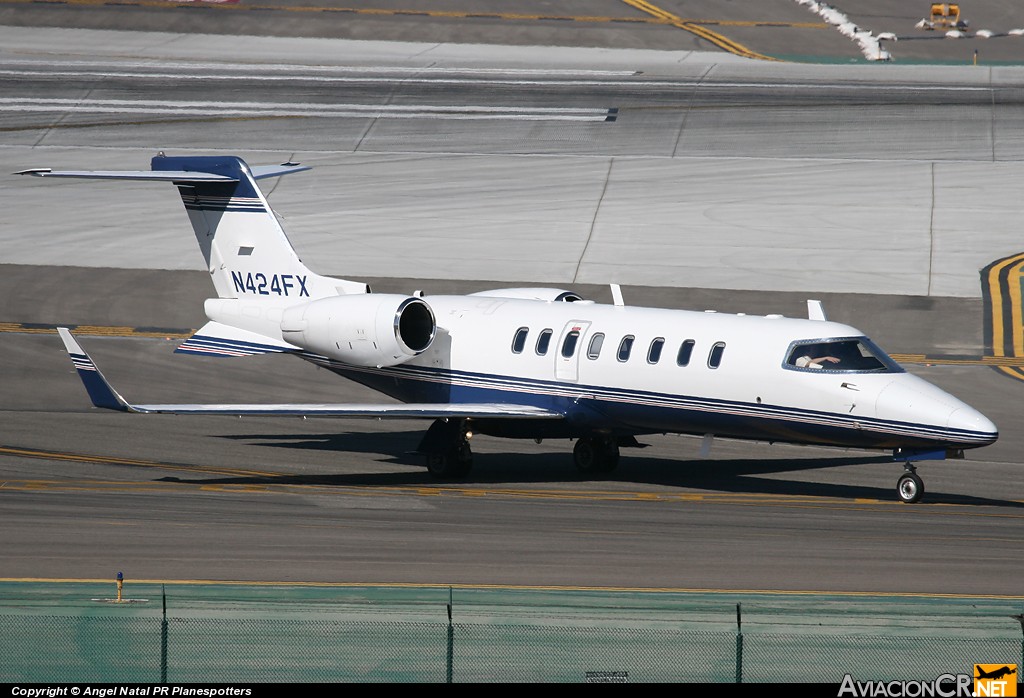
[(707, 84), (397, 70), (147, 106)]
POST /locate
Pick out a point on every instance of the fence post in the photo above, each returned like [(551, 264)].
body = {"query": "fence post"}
[(739, 645), (1020, 619), (451, 636), (163, 637)]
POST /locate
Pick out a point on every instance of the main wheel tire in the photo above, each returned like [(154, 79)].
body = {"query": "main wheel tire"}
[(910, 488), (437, 464), (585, 455), (596, 454), (457, 462), (463, 459), (609, 459)]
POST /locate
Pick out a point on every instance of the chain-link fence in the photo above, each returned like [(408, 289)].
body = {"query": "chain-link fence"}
[(193, 634)]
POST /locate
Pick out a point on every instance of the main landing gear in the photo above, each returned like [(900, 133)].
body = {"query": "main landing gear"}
[(448, 455), (910, 486), (596, 454), (446, 447)]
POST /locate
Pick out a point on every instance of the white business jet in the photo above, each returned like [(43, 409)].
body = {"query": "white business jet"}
[(536, 363)]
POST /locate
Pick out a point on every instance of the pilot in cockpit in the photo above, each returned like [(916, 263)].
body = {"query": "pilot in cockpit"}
[(814, 356)]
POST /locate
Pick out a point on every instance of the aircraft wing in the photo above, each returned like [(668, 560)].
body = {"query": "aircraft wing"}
[(103, 395)]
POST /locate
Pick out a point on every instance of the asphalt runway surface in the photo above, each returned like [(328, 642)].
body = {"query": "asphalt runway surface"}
[(87, 493), (768, 29)]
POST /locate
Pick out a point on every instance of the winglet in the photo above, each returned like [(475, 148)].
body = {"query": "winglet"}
[(100, 392)]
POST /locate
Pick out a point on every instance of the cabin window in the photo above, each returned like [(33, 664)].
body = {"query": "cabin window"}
[(625, 347), (849, 355), (715, 357), (654, 352), (543, 342), (519, 341), (685, 352), (596, 342), (569, 344)]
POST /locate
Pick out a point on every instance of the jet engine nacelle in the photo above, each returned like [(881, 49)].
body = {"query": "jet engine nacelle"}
[(372, 329)]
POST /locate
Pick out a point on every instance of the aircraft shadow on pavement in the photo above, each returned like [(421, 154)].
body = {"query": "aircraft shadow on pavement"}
[(733, 476)]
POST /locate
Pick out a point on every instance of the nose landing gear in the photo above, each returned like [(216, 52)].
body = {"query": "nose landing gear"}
[(910, 486)]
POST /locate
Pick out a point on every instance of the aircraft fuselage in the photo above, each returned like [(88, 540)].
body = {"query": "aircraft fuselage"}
[(682, 372)]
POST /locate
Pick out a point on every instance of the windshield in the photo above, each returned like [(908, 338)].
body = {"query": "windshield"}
[(848, 354)]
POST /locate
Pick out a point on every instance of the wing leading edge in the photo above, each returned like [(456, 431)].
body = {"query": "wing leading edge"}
[(103, 395)]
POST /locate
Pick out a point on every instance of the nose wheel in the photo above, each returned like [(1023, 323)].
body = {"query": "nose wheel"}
[(910, 486)]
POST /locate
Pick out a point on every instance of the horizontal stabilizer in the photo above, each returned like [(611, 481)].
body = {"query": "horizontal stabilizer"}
[(183, 176), (165, 176), (264, 171), (216, 339), (103, 395)]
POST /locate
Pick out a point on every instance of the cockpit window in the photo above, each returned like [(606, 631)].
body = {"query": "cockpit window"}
[(849, 355)]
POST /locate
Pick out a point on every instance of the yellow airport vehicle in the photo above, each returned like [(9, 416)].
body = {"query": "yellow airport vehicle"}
[(944, 15)]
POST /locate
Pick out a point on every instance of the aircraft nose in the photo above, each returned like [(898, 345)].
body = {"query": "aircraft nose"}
[(971, 420), (912, 399)]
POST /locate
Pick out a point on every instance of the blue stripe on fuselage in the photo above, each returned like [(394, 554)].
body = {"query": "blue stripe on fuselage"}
[(590, 407)]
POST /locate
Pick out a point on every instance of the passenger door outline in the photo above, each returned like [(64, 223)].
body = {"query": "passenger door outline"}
[(568, 368)]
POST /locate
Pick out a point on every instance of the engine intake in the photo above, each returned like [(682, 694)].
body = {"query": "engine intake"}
[(362, 330)]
